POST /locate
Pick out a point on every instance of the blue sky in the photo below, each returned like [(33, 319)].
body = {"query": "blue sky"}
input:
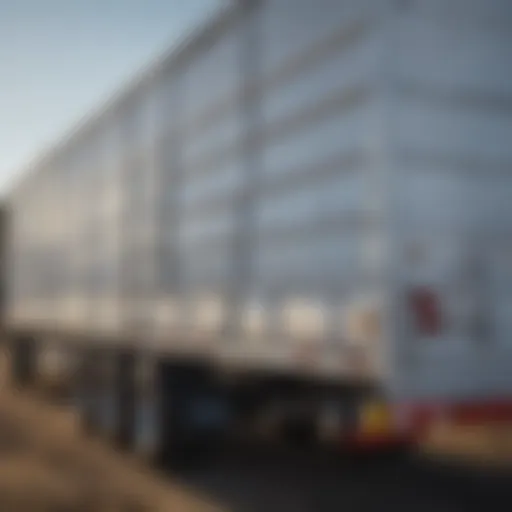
[(60, 58)]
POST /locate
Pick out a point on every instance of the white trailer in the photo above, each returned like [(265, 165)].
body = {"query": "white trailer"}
[(311, 189)]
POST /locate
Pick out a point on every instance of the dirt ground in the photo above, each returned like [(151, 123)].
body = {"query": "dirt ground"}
[(46, 464)]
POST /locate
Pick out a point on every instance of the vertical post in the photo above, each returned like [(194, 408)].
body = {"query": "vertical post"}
[(89, 389), (387, 181), (23, 360), (125, 384), (250, 152), (163, 390), (168, 184)]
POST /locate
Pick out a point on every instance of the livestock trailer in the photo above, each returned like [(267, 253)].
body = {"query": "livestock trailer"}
[(305, 204)]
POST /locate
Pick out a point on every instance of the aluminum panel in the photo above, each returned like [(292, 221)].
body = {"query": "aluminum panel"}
[(453, 182), (291, 27)]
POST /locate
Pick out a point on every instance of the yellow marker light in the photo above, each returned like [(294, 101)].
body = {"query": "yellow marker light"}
[(375, 418)]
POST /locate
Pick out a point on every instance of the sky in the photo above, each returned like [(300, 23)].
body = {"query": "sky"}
[(60, 58)]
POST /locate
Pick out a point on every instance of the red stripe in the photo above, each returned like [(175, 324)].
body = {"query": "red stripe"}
[(420, 415), (365, 442)]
